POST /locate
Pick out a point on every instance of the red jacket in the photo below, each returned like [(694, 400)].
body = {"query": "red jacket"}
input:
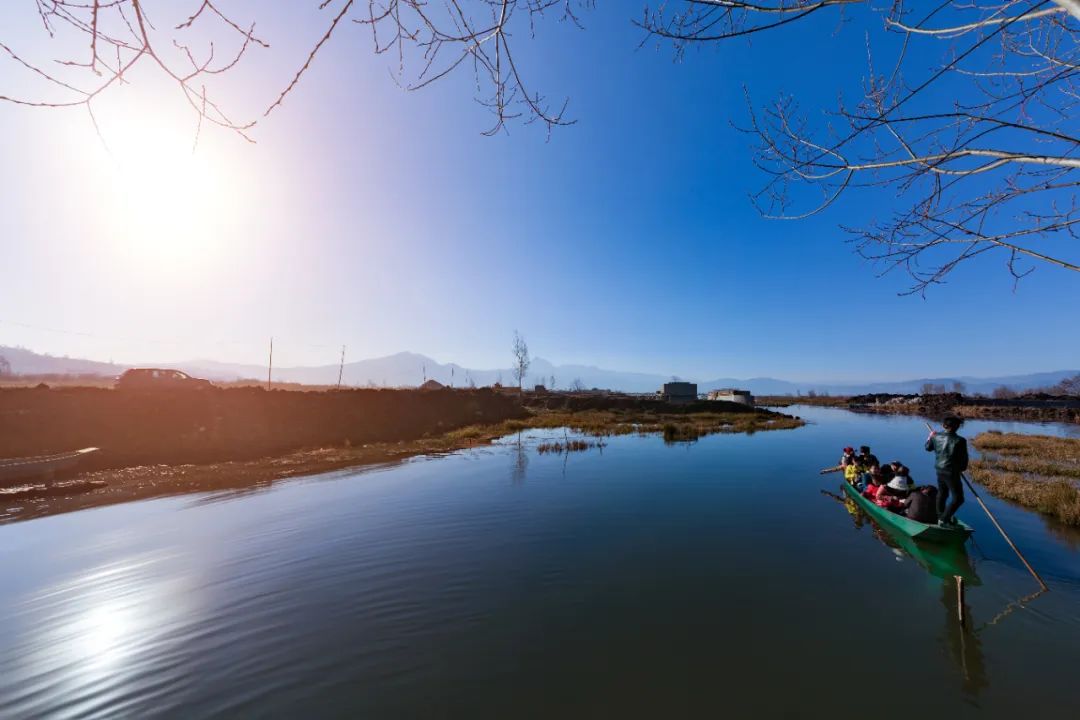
[(888, 500)]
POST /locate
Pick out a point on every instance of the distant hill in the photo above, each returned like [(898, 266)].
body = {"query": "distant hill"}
[(27, 362), (411, 369)]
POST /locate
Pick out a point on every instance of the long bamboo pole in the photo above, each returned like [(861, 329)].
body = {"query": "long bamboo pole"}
[(1004, 534), (1001, 530), (960, 599)]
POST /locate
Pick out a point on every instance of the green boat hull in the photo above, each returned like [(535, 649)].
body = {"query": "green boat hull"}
[(942, 561), (911, 528)]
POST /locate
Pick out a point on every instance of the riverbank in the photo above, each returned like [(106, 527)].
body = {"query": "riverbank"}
[(767, 401), (141, 482), (1036, 471), (1024, 408), (177, 427)]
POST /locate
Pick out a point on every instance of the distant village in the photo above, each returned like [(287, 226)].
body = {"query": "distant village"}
[(687, 392)]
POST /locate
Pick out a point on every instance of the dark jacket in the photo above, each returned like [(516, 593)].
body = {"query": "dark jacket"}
[(951, 451), (922, 505)]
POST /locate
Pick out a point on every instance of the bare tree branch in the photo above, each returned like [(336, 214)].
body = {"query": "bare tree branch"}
[(972, 153), (980, 154)]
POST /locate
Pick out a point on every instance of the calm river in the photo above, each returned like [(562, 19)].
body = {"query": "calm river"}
[(715, 578)]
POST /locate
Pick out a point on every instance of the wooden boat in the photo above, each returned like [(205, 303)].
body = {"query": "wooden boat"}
[(907, 526), (945, 561), (40, 467)]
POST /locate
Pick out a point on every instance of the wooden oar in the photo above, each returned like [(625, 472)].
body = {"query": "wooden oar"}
[(998, 526), (826, 471)]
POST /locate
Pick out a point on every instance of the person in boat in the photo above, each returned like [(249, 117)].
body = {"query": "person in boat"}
[(951, 459), (852, 473), (887, 476), (867, 458), (850, 465), (922, 504), (873, 484), (902, 471), (893, 495), (867, 461), (865, 476), (848, 458)]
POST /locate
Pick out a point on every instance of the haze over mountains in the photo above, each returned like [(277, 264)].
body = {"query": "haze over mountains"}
[(410, 369)]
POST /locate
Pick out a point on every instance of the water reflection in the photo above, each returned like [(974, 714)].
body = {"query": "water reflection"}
[(520, 462), (948, 563), (962, 645), (86, 641), (438, 589), (1018, 604), (939, 560), (1068, 535)]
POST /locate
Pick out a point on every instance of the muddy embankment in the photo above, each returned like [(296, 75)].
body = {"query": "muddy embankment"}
[(1032, 408), (237, 440), (579, 402), (217, 425)]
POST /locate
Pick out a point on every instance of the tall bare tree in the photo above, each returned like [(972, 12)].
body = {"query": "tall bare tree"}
[(521, 359)]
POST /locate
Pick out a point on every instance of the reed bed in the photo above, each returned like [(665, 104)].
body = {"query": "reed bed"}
[(1037, 471), (559, 448)]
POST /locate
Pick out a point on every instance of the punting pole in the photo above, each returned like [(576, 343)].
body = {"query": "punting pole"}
[(960, 599), (1001, 530)]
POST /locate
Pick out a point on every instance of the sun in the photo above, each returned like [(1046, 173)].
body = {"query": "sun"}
[(169, 198)]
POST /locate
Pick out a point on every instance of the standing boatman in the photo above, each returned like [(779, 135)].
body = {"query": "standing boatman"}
[(951, 454)]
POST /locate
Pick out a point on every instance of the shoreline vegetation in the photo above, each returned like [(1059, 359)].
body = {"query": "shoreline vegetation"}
[(1036, 407), (1038, 472), (113, 485)]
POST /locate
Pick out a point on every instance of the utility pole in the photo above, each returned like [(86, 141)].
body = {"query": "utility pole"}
[(270, 365), (341, 367)]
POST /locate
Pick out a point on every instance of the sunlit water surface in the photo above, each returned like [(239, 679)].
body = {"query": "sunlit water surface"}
[(643, 580)]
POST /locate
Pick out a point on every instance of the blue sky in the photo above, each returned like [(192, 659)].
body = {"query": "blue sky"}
[(382, 219)]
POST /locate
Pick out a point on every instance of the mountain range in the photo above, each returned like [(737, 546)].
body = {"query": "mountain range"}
[(410, 369)]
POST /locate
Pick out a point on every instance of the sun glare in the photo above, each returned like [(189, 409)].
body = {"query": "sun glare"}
[(171, 204)]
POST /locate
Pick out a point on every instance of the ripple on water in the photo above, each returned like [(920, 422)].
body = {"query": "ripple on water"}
[(627, 583)]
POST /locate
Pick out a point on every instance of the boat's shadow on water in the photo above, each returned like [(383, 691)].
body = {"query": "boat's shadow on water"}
[(960, 637), (947, 563), (942, 561)]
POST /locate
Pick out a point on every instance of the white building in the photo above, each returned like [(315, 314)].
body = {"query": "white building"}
[(743, 397)]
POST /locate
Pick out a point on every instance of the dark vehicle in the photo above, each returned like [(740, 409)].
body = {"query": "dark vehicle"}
[(159, 379)]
